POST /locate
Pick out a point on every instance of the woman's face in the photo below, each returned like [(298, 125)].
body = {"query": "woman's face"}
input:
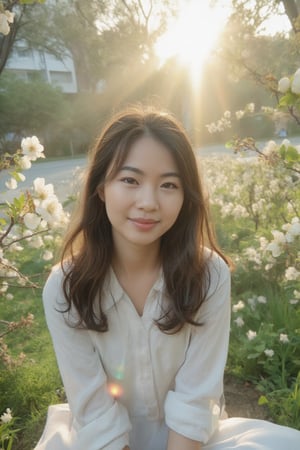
[(144, 198)]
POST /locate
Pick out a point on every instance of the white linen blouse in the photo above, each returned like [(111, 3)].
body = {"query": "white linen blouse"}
[(128, 385)]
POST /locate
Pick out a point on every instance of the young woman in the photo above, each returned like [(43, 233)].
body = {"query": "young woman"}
[(139, 308)]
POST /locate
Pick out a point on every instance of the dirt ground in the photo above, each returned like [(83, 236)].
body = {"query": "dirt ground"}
[(242, 399)]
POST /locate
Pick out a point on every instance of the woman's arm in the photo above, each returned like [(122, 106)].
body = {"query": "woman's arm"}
[(193, 407), (99, 421), (178, 442)]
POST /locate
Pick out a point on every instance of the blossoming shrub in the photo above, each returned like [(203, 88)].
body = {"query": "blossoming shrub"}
[(30, 226), (256, 201)]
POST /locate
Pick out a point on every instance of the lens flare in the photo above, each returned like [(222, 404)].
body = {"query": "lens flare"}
[(115, 390)]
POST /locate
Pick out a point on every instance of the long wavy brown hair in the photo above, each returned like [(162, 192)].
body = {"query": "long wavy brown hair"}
[(88, 245)]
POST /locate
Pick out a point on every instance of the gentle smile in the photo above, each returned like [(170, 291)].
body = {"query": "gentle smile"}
[(144, 221), (144, 224)]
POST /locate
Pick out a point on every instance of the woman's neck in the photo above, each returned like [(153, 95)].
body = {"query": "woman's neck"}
[(136, 260)]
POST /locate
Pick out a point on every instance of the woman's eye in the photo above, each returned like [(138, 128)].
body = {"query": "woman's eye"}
[(128, 180), (170, 185)]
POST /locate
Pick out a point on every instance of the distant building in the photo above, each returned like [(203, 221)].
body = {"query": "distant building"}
[(26, 63)]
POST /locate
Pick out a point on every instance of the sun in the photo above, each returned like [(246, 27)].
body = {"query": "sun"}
[(192, 36)]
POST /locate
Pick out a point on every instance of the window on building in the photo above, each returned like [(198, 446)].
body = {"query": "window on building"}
[(23, 52), (36, 75), (61, 77)]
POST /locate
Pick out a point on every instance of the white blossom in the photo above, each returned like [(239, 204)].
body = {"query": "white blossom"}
[(239, 114), (296, 294), (250, 107), (267, 109), (271, 149), (284, 85), (50, 209), (292, 274), (11, 184), (295, 86), (278, 236), (9, 16), (32, 221), (294, 228), (4, 26), (269, 352), (32, 148), (238, 306), (251, 335), (6, 417), (252, 302), (25, 162), (252, 255), (263, 242), (239, 211), (48, 238), (43, 190), (284, 338), (48, 255), (239, 321), (275, 249), (286, 142), (5, 19), (261, 299), (16, 247), (36, 242)]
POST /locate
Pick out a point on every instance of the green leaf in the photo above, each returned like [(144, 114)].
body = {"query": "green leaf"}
[(292, 154), (3, 221), (263, 400), (288, 99), (282, 151), (15, 175), (259, 348), (253, 355)]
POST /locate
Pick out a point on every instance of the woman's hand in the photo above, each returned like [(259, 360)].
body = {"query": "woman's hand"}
[(178, 442)]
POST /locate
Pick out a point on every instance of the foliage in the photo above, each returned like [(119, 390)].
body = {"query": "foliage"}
[(26, 108), (31, 220), (256, 195), (255, 202), (250, 51)]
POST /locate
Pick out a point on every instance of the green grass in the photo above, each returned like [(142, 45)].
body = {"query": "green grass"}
[(28, 389)]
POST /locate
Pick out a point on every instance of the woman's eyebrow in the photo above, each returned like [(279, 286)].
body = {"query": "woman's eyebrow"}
[(141, 172)]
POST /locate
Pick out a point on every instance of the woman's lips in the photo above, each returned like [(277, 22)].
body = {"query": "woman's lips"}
[(144, 224)]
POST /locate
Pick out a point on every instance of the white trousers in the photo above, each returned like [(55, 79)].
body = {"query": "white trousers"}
[(231, 434)]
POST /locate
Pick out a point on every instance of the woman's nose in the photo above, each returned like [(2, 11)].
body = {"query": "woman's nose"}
[(147, 198)]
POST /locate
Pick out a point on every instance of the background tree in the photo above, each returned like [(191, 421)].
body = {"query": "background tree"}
[(30, 108), (20, 8)]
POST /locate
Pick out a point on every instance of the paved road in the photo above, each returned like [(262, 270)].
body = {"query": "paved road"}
[(65, 175)]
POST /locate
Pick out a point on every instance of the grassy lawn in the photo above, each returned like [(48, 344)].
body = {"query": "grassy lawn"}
[(28, 388)]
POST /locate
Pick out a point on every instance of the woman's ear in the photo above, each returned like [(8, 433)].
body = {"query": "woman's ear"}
[(100, 191)]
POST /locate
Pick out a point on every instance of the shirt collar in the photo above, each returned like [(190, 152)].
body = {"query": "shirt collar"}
[(113, 291)]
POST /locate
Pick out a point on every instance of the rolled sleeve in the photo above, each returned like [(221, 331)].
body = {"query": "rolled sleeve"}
[(193, 408), (98, 420)]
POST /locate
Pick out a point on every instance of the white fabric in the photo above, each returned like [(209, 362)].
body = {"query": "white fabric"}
[(132, 383)]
